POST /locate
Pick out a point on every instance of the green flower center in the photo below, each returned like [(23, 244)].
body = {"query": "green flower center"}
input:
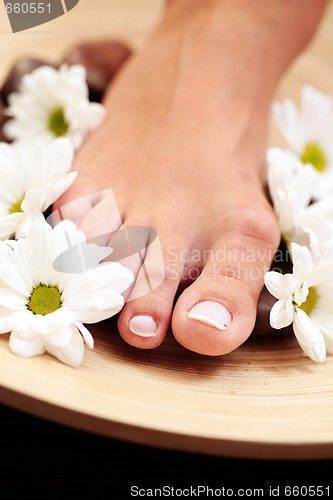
[(17, 206), (313, 154), (310, 303), (44, 299), (57, 122)]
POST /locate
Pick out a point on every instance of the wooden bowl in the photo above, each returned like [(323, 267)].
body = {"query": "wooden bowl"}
[(265, 400)]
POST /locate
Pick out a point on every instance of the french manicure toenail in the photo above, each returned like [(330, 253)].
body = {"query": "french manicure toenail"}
[(212, 314), (143, 326)]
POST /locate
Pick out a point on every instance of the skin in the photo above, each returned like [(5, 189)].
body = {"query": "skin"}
[(183, 148)]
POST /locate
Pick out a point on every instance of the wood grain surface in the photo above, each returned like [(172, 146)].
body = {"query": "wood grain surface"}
[(264, 400)]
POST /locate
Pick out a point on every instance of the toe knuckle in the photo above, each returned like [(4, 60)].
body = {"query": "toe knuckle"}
[(260, 225)]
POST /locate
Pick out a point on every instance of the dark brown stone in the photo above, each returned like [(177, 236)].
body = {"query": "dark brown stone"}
[(102, 60), (266, 300), (21, 67), (265, 304), (262, 326)]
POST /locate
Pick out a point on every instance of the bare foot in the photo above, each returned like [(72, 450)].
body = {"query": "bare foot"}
[(183, 150)]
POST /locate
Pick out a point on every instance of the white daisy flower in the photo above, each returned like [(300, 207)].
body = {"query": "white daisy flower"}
[(305, 300), (53, 103), (290, 186), (43, 306), (33, 176), (309, 132), (316, 227)]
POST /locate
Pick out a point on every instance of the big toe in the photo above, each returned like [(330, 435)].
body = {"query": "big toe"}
[(217, 313)]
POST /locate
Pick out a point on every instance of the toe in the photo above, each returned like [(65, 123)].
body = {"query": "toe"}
[(102, 220), (74, 204), (217, 312), (146, 316), (144, 322), (94, 213)]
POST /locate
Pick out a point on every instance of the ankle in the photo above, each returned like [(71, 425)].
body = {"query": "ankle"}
[(271, 33)]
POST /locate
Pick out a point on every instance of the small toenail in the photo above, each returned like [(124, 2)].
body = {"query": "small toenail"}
[(143, 326), (212, 314)]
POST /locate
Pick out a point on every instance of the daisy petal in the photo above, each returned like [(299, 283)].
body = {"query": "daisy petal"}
[(306, 331), (24, 347), (302, 261), (94, 315), (324, 321), (288, 120), (278, 316), (72, 353), (60, 337), (4, 317), (85, 334), (279, 285), (318, 351), (19, 320), (11, 299), (40, 324), (33, 199)]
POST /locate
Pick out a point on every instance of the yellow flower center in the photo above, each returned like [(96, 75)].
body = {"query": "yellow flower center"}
[(57, 122), (313, 154), (17, 206), (310, 303), (44, 299)]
